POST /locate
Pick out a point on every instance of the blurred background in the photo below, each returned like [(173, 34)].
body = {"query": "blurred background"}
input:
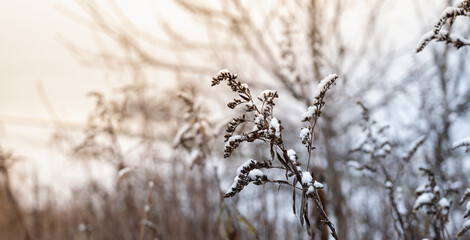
[(109, 128)]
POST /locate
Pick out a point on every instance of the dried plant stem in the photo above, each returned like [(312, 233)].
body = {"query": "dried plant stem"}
[(397, 213), (326, 220), (312, 136), (146, 210)]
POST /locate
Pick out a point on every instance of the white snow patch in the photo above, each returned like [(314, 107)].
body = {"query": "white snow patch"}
[(234, 184), (292, 155), (424, 198), (274, 125), (402, 208), (466, 224), (458, 3), (309, 113), (456, 185), (317, 185), (387, 148), (310, 190), (467, 191), (304, 133), (306, 178), (244, 165), (416, 142), (444, 203), (426, 37), (234, 138), (323, 83), (449, 11), (367, 148), (259, 118), (255, 173), (422, 188), (460, 143)]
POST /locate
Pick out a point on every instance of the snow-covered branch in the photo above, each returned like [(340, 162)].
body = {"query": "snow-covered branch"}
[(461, 8)]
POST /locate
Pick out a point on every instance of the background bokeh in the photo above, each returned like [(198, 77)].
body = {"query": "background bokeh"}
[(100, 98)]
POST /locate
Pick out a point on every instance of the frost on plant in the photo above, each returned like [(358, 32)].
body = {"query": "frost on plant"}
[(466, 224), (465, 142), (461, 8), (434, 200), (378, 155), (259, 113)]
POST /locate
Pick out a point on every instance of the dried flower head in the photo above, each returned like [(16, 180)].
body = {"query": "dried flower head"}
[(266, 127)]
